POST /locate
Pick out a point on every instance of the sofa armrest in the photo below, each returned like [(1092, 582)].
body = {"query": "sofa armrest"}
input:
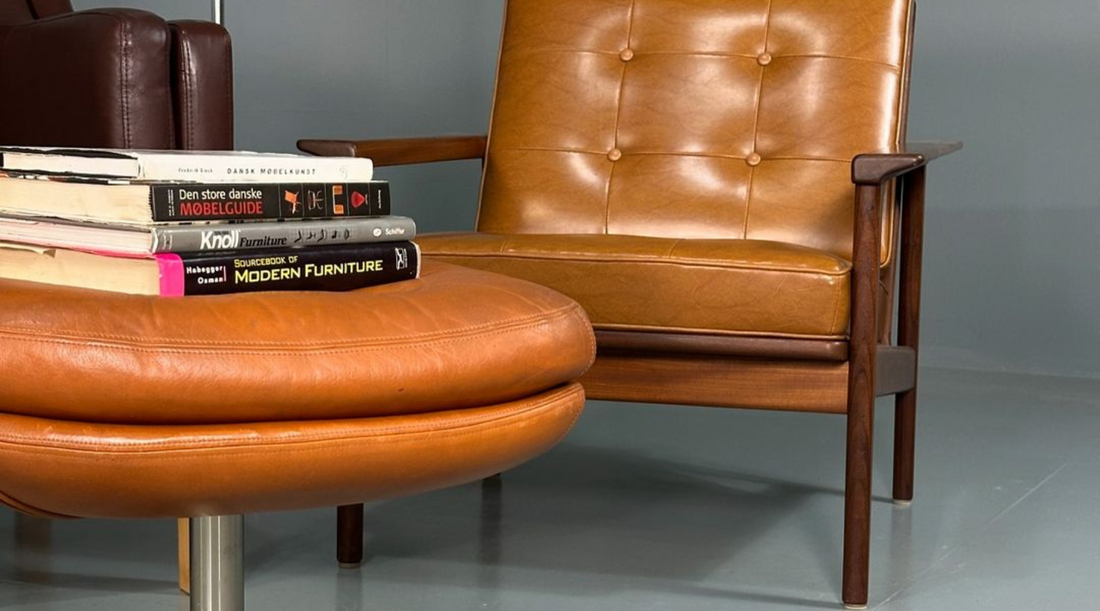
[(877, 168), (401, 151), (87, 79), (202, 85)]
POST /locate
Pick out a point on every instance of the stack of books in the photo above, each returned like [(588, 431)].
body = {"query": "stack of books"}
[(176, 223)]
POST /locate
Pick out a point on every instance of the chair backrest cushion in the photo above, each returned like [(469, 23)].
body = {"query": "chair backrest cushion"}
[(692, 118)]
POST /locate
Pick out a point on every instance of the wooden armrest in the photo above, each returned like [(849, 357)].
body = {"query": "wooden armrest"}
[(401, 151), (877, 168)]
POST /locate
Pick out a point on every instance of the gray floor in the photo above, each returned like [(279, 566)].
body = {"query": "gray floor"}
[(669, 508)]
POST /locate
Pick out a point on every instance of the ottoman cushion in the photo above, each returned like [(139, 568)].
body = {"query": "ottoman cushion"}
[(61, 469), (455, 338)]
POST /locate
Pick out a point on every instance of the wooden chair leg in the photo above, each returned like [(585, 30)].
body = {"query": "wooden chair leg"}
[(857, 509), (349, 535), (912, 246), (183, 543), (905, 417), (862, 348)]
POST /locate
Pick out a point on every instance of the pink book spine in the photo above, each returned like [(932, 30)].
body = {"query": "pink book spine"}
[(171, 274), (170, 267)]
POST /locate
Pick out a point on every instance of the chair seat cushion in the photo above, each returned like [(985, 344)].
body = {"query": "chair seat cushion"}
[(452, 339), (732, 287)]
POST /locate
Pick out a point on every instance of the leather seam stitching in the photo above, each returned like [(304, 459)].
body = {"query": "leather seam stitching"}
[(495, 327), (229, 87), (720, 332), (836, 309), (15, 503), (683, 261), (124, 73), (459, 425), (189, 91), (182, 347), (590, 336)]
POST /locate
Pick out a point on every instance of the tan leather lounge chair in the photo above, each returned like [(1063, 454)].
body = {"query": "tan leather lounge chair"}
[(724, 186)]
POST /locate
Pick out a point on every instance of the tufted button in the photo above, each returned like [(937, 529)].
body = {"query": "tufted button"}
[(753, 159), (764, 58), (626, 55), (614, 154)]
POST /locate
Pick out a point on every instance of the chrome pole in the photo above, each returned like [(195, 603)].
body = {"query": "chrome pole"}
[(217, 563), (217, 12)]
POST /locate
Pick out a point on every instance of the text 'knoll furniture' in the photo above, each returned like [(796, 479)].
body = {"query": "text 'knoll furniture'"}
[(126, 406), (684, 169)]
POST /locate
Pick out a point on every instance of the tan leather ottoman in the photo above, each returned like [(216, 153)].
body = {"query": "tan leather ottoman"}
[(138, 407)]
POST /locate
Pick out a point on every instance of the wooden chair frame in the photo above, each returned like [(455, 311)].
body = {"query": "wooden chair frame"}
[(804, 375)]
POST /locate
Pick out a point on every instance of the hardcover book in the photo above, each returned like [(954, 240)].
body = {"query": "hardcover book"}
[(328, 268), (205, 236), (143, 204), (189, 166)]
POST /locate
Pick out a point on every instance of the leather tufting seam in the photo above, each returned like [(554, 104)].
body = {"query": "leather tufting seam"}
[(713, 54), (739, 56), (455, 426), (682, 261), (499, 326), (618, 118), (536, 149), (756, 122), (285, 353)]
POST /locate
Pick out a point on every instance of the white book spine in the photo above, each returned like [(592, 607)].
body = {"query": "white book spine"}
[(231, 168)]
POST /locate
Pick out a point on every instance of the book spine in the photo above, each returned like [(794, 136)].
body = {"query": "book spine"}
[(329, 268), (174, 203), (242, 236), (236, 168)]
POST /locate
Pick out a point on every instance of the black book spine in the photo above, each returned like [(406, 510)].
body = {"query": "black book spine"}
[(324, 268), (175, 203)]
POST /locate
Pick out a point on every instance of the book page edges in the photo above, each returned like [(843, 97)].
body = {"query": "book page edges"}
[(56, 161), (124, 204)]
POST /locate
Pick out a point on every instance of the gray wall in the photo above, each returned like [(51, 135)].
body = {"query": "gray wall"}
[(1011, 279)]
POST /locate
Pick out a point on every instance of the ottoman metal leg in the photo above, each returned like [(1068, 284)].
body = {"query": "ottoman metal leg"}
[(217, 563)]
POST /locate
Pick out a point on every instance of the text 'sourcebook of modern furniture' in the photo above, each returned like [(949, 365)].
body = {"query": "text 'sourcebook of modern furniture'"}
[(725, 187)]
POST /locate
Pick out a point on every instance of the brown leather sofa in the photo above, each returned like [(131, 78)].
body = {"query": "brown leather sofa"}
[(116, 78), (725, 187)]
